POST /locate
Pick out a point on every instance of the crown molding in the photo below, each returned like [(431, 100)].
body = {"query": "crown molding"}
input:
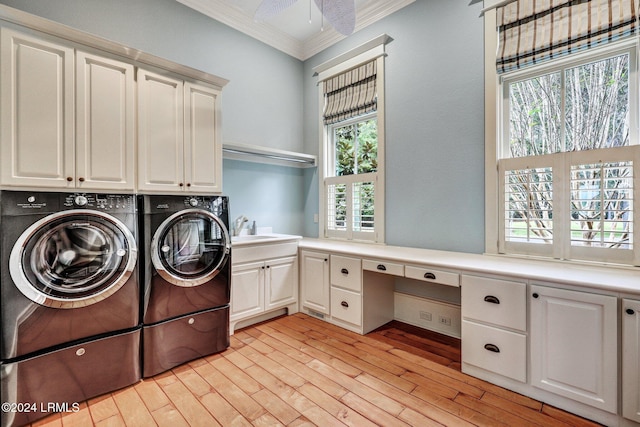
[(233, 16)]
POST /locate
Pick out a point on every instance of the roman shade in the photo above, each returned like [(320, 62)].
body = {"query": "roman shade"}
[(532, 31), (350, 94)]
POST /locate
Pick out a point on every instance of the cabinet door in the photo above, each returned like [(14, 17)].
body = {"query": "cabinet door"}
[(160, 133), (247, 290), (574, 345), (631, 359), (37, 112), (105, 116), (315, 282), (281, 282), (203, 147)]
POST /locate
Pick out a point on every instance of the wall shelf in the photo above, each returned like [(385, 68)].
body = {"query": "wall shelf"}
[(258, 154)]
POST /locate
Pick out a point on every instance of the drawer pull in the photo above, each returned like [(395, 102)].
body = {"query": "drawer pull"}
[(492, 299), (344, 304), (344, 271), (492, 347), (630, 311), (381, 267), (430, 276), (535, 295)]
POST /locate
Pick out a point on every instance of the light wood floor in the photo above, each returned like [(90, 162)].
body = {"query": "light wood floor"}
[(300, 371)]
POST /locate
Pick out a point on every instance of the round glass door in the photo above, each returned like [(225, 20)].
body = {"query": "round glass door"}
[(190, 247), (73, 259)]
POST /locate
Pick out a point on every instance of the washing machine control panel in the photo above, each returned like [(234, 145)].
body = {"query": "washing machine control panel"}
[(105, 202)]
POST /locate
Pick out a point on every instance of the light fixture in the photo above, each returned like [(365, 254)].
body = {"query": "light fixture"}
[(341, 14)]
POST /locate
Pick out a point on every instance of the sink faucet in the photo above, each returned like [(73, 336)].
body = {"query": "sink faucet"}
[(238, 224)]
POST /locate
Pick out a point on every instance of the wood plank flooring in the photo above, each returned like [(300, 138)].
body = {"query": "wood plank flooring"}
[(300, 371)]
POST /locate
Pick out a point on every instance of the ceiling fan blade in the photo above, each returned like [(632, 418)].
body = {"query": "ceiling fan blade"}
[(270, 8), (341, 14)]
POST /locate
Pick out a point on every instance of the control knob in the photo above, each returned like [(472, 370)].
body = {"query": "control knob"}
[(193, 202), (80, 201)]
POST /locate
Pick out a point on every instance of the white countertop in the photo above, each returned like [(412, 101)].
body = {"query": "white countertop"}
[(608, 278), (258, 239)]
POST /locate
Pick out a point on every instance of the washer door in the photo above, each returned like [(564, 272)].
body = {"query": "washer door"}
[(73, 259), (190, 247)]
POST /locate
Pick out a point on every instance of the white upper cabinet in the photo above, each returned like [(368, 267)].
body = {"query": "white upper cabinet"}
[(179, 145), (105, 123), (63, 128), (37, 136)]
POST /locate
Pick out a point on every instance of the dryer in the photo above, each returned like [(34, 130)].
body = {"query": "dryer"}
[(70, 298), (186, 278)]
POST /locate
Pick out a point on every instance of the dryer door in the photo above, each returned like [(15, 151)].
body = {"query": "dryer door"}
[(73, 258), (190, 247)]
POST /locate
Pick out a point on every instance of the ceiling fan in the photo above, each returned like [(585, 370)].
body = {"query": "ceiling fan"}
[(341, 14)]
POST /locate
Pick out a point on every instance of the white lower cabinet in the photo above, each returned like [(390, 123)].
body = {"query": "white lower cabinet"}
[(494, 326), (631, 359), (574, 345), (263, 286), (314, 282)]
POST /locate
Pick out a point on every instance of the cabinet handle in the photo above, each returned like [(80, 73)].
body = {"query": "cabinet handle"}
[(381, 267), (344, 304), (492, 299), (630, 311), (69, 179), (344, 271), (325, 260), (81, 179), (492, 347), (535, 295), (268, 266), (429, 276), (188, 184)]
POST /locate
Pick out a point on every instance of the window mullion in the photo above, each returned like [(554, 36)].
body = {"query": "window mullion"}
[(561, 205)]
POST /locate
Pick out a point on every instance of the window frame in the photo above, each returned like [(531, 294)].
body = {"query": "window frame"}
[(496, 156), (372, 50)]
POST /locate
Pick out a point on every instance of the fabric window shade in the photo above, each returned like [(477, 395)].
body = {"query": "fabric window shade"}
[(350, 94), (532, 31)]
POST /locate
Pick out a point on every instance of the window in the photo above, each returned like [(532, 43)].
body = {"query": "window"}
[(352, 164), (352, 178), (569, 159)]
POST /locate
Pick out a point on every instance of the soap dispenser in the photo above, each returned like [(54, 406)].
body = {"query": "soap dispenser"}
[(253, 228)]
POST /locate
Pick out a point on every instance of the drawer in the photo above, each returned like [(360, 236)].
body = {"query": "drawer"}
[(383, 267), (495, 350), (346, 306), (346, 272), (500, 302), (431, 275)]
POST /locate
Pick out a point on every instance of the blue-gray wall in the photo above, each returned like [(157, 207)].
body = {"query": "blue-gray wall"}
[(434, 124), (434, 94)]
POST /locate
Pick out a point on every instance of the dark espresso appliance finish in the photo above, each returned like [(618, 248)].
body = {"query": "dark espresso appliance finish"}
[(186, 276), (70, 298)]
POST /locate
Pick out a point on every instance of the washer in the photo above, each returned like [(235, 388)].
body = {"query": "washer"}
[(186, 277), (70, 298)]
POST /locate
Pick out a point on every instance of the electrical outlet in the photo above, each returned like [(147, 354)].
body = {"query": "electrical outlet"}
[(444, 320), (425, 315)]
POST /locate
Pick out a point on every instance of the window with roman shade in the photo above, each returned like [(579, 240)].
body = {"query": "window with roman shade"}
[(568, 150), (530, 32), (350, 94), (352, 119)]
